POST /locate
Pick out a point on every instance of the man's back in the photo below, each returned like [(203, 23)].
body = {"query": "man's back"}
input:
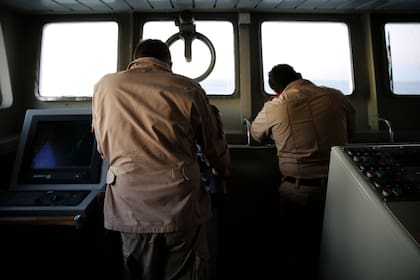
[(147, 121), (305, 121), (146, 112)]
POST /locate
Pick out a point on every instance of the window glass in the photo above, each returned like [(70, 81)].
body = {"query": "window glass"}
[(221, 80), (403, 40), (320, 51), (74, 56), (6, 98)]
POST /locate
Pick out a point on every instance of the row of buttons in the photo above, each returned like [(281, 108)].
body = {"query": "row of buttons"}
[(385, 171)]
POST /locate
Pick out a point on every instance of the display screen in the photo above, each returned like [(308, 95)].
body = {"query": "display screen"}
[(61, 149)]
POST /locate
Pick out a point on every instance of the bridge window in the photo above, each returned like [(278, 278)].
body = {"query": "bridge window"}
[(403, 40), (320, 51), (221, 81), (74, 56), (5, 86)]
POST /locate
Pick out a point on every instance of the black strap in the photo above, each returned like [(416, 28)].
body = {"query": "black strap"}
[(315, 182)]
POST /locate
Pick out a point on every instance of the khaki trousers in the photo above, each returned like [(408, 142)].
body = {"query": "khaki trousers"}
[(301, 214), (165, 256)]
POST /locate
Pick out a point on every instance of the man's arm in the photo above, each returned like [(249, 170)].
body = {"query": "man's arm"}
[(260, 128), (210, 133)]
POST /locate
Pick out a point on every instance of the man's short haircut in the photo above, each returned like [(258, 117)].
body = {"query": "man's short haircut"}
[(153, 48), (281, 75)]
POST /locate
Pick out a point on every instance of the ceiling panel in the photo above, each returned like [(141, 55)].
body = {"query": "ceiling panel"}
[(321, 4), (35, 5), (268, 4), (72, 5), (356, 4), (247, 4), (369, 4), (161, 4), (225, 4), (409, 5), (205, 4), (137, 5), (108, 6), (105, 5), (290, 4), (183, 4)]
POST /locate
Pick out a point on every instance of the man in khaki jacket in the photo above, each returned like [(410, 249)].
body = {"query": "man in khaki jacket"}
[(147, 122), (305, 121)]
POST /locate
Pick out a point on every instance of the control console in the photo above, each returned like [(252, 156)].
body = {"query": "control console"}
[(42, 198), (392, 171)]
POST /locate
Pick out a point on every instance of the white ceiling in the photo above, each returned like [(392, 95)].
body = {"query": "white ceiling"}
[(111, 6)]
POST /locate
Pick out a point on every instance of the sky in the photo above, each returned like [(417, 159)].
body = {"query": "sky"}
[(405, 50), (319, 51), (71, 68)]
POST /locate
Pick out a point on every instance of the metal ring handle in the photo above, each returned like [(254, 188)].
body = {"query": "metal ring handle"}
[(206, 41)]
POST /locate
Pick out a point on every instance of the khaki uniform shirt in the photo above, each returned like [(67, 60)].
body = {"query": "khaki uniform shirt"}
[(305, 121), (147, 121)]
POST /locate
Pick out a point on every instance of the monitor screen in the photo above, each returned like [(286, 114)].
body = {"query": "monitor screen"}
[(57, 147)]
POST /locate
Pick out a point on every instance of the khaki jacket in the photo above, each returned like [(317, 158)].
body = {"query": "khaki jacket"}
[(305, 121), (147, 121)]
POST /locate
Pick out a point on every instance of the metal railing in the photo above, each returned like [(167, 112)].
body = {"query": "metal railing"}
[(247, 124), (390, 130)]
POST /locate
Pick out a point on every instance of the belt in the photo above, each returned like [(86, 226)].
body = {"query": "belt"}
[(314, 182)]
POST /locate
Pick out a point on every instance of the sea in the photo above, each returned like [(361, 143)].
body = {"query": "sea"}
[(227, 87)]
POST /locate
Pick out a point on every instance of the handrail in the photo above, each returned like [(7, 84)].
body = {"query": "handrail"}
[(187, 33), (247, 124), (390, 130)]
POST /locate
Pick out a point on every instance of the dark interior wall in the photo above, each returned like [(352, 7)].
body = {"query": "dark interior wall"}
[(11, 117), (51, 251), (248, 220), (14, 34)]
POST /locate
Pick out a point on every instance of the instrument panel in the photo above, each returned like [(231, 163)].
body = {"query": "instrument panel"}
[(392, 171)]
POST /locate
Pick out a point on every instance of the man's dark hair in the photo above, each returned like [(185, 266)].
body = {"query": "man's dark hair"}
[(153, 48), (281, 75)]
